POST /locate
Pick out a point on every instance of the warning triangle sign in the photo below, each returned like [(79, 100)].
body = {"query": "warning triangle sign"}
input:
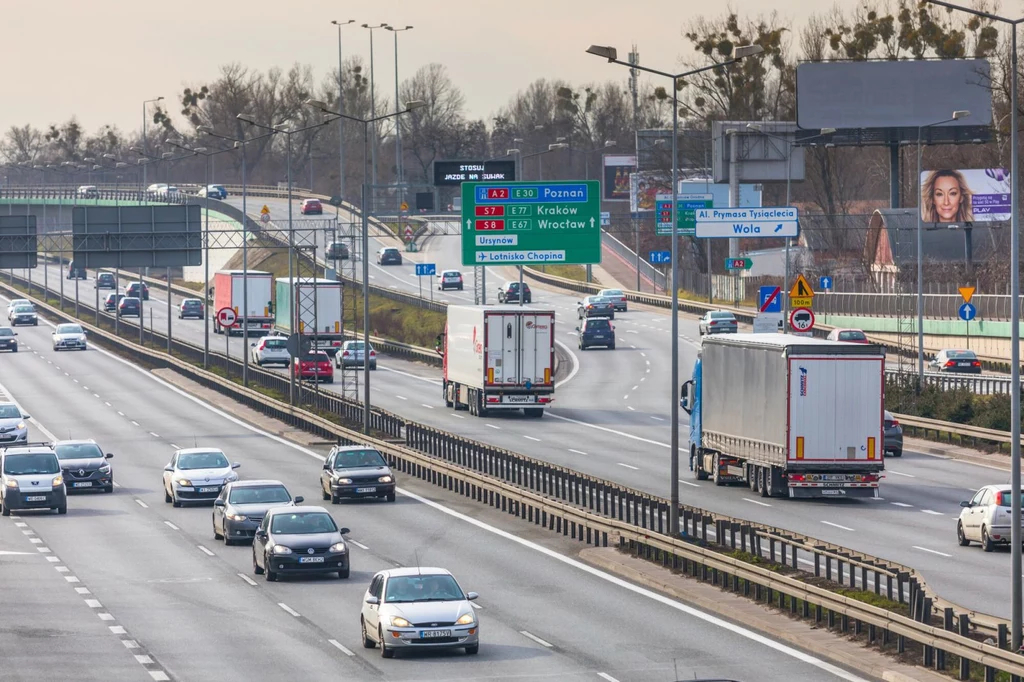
[(801, 288), (967, 293)]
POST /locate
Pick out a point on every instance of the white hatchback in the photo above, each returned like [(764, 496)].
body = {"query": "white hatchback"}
[(271, 350), (985, 518)]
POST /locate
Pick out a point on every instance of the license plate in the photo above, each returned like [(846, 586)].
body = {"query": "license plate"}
[(832, 492), (430, 634), (518, 399), (366, 490), (964, 364), (36, 498), (311, 560), (209, 490), (85, 484)]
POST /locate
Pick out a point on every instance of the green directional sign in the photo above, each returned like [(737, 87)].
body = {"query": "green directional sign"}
[(686, 212), (531, 223), (738, 263)]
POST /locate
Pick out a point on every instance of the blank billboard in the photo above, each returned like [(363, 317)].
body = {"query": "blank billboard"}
[(137, 236), (885, 94)]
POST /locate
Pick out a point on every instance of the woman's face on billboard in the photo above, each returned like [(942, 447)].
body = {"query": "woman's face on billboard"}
[(947, 197)]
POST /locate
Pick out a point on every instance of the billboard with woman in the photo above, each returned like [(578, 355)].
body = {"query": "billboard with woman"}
[(980, 195)]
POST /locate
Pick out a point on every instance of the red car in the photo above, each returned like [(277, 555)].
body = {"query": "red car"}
[(315, 366), (311, 207)]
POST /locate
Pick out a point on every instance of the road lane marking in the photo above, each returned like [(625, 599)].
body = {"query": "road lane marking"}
[(105, 616), (536, 639), (578, 452), (289, 610), (933, 513), (763, 504), (901, 504), (246, 579), (142, 504), (341, 647), (82, 590), (628, 466), (401, 397), (493, 426), (135, 423), (692, 485), (900, 473), (607, 677), (205, 551), (118, 630), (93, 603), (429, 407), (175, 446), (359, 545), (630, 408), (836, 525), (155, 435), (635, 387), (932, 551), (660, 419), (532, 438), (171, 525)]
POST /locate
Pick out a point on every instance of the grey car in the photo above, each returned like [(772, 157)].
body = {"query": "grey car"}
[(84, 465), (241, 506), (893, 436), (24, 314), (595, 306), (351, 355), (13, 428), (356, 471), (717, 322), (69, 336), (7, 340)]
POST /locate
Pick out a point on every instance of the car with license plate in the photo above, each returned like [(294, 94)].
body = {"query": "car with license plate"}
[(595, 306), (191, 308), (197, 475), (418, 608), (69, 336), (106, 280), (314, 366), (449, 279), (351, 355), (75, 271), (84, 465), (15, 303), (352, 471), (617, 297), (311, 207), (956, 361), (893, 436), (8, 340), (24, 315), (848, 335), (389, 255), (30, 478), (717, 322), (213, 192), (129, 306), (138, 290), (270, 350), (241, 506), (337, 251), (985, 518), (299, 541), (111, 301), (596, 331), (509, 293), (13, 424)]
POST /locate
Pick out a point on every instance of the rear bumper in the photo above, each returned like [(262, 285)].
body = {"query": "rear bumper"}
[(865, 491)]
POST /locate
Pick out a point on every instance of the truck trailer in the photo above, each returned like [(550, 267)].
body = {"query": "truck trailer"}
[(498, 359), (253, 315), (790, 416), (318, 311)]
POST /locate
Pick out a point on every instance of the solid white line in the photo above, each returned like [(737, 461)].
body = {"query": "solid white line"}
[(532, 438), (288, 609), (628, 466), (578, 452), (142, 504), (493, 426), (932, 551), (836, 525), (341, 647), (359, 545), (901, 504), (692, 485), (205, 551), (900, 473), (535, 638), (171, 525), (933, 513), (247, 579), (763, 504), (607, 677), (401, 397), (155, 435)]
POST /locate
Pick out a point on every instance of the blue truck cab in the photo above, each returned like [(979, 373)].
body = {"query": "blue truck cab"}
[(689, 400)]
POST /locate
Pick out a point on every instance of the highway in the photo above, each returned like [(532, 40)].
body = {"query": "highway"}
[(146, 588)]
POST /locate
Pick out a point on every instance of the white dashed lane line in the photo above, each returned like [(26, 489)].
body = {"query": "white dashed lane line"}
[(142, 504), (578, 452), (536, 639), (836, 525), (171, 525), (932, 551), (204, 550), (628, 466), (289, 610), (247, 579)]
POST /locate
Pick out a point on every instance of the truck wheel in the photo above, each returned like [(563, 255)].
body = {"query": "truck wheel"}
[(752, 477), (767, 489), (444, 394), (698, 472), (716, 475)]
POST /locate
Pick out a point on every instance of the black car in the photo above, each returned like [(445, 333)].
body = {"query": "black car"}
[(299, 540), (595, 306), (241, 506), (7, 340), (389, 255), (191, 307), (106, 280), (509, 293), (957, 360), (134, 287), (129, 306), (75, 271), (596, 331), (356, 471), (337, 251), (111, 301), (24, 314), (84, 465)]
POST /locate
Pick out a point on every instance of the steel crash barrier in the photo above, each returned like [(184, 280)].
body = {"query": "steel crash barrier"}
[(602, 512)]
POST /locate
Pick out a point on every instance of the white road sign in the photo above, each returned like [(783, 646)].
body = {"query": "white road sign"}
[(743, 223)]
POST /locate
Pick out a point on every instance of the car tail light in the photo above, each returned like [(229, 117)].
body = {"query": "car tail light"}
[(492, 399), (869, 478), (543, 399), (713, 322), (589, 307), (976, 363), (949, 363), (336, 343), (345, 354), (796, 477), (894, 422), (373, 353)]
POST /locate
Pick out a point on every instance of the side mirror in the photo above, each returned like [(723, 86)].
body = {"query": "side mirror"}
[(344, 531), (261, 534), (168, 468), (392, 463), (577, 328), (26, 416), (299, 499), (965, 504), (327, 466), (252, 345), (108, 455), (236, 465), (372, 600), (471, 596), (218, 502)]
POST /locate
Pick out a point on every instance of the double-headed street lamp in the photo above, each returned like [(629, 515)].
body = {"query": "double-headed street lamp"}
[(611, 54), (341, 121), (409, 106), (399, 170), (145, 137), (373, 105)]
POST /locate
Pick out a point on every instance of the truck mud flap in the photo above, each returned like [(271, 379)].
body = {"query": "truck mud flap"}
[(833, 493)]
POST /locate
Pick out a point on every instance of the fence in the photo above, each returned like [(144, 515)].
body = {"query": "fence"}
[(943, 306)]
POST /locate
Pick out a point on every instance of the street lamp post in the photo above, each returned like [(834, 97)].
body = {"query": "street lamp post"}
[(341, 121), (399, 170), (145, 138), (519, 160), (409, 106), (611, 54), (373, 112)]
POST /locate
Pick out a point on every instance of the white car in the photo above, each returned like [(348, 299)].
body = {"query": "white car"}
[(418, 608), (197, 475), (67, 336), (89, 192), (449, 279), (986, 518), (15, 303), (271, 350), (157, 189), (617, 298)]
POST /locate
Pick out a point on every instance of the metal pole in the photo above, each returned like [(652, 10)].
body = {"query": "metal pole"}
[(145, 148), (169, 332), (789, 178), (920, 274), (673, 515), (341, 134), (366, 294), (245, 253), (373, 114), (1015, 537), (293, 323), (521, 295), (206, 274), (398, 129)]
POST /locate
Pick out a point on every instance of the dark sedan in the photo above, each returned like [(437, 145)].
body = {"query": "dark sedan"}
[(356, 471), (893, 436), (135, 287), (596, 306), (7, 340), (240, 509), (509, 293), (106, 280), (303, 540), (129, 306), (957, 361), (84, 465), (111, 301)]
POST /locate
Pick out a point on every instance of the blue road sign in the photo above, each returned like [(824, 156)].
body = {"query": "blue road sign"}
[(425, 269), (770, 300), (657, 257), (968, 312), (825, 283)]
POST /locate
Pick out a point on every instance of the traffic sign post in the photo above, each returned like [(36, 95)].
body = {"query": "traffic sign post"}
[(801, 295), (742, 223), (738, 263), (801, 320), (425, 270), (967, 313), (606, 218), (265, 214), (531, 223), (660, 257), (686, 210), (227, 318), (769, 300)]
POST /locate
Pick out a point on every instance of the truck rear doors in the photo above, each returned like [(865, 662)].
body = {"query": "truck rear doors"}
[(519, 347)]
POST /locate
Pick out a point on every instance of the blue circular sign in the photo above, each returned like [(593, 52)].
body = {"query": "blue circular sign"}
[(968, 312)]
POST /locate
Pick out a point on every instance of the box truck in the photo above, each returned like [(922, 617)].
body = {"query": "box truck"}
[(790, 416), (317, 311), (498, 359), (253, 315)]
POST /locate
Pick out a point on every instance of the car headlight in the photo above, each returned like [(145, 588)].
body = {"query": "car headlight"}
[(467, 619), (339, 547), (399, 622), (343, 480), (183, 481), (57, 481), (231, 477), (281, 549), (385, 479), (22, 425), (236, 517), (105, 469), (11, 483)]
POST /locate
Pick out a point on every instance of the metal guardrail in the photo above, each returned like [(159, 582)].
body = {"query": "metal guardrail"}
[(983, 384), (936, 306), (598, 511)]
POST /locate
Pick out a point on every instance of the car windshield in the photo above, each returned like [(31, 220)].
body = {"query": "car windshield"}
[(391, 250), (352, 459), (24, 309), (275, 343), (721, 316), (413, 588), (192, 303), (41, 463), (202, 460), (68, 329), (961, 354), (106, 276), (852, 336), (263, 494), (354, 345), (314, 357), (302, 523), (10, 412), (79, 451), (6, 331), (18, 301), (611, 292), (598, 326), (129, 301)]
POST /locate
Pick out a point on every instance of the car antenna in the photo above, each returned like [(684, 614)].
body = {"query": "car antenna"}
[(195, 442)]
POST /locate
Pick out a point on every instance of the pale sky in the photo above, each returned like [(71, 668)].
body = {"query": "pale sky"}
[(99, 59)]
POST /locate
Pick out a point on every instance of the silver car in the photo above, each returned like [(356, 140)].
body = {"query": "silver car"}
[(30, 478), (595, 306), (197, 475), (240, 509), (617, 297), (986, 518), (418, 608), (717, 322), (13, 428), (69, 337), (351, 355)]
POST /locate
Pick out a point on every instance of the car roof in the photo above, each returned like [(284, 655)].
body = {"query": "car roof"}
[(252, 483), (349, 448), (296, 510), (190, 451), (390, 248), (76, 441), (29, 450), (415, 570)]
